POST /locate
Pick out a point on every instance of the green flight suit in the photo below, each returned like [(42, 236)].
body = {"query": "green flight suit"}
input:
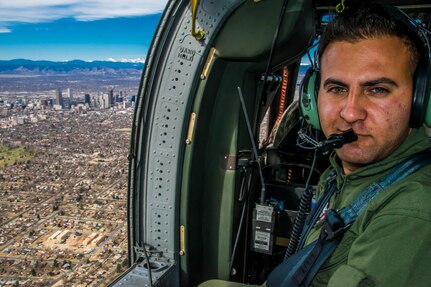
[(390, 243)]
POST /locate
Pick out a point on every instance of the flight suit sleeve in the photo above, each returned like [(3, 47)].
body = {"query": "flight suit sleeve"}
[(348, 275), (393, 250)]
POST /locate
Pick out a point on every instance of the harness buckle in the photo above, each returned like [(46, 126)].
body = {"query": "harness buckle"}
[(334, 225)]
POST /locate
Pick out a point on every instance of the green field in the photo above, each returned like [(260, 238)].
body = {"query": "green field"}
[(12, 156)]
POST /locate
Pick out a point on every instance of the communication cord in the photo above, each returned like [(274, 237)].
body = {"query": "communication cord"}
[(301, 216), (271, 53)]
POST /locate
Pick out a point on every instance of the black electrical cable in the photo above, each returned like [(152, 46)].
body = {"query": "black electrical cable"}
[(301, 216), (287, 164), (271, 53), (232, 258), (148, 266), (243, 212), (253, 145), (242, 194)]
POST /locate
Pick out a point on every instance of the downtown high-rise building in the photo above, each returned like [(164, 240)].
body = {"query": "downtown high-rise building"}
[(87, 99), (59, 98)]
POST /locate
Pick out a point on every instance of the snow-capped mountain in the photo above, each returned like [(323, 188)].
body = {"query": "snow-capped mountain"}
[(124, 60)]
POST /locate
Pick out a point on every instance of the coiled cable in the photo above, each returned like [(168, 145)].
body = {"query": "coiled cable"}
[(301, 216)]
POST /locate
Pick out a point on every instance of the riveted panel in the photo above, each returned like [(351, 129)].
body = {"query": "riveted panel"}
[(166, 125), (159, 228), (162, 189), (180, 66)]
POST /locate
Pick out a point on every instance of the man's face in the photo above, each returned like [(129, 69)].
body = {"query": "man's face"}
[(366, 86)]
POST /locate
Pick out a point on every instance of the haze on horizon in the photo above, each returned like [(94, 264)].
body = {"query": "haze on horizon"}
[(64, 30)]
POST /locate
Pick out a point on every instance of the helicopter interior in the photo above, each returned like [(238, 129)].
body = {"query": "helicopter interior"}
[(217, 169)]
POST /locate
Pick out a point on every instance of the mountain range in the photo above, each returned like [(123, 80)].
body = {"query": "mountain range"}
[(27, 76), (20, 66)]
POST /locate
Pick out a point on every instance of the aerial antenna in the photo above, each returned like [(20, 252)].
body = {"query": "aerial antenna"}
[(253, 145)]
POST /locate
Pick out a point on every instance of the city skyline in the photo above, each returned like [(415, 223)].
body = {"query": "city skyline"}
[(65, 30), (63, 176)]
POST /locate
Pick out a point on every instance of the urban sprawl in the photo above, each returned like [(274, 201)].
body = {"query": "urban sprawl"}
[(63, 187)]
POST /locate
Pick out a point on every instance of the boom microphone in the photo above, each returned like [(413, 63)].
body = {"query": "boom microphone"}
[(336, 141)]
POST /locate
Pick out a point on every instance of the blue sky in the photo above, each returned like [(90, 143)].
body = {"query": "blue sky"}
[(61, 30)]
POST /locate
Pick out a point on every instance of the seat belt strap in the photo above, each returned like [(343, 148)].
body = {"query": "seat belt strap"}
[(338, 222), (301, 268), (329, 190), (415, 162)]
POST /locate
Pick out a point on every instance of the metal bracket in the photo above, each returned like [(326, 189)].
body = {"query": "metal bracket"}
[(229, 162), (191, 128), (182, 240)]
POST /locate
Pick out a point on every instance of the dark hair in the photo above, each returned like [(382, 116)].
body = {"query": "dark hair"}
[(371, 20)]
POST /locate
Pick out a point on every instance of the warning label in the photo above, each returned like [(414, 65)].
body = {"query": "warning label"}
[(264, 213), (262, 240)]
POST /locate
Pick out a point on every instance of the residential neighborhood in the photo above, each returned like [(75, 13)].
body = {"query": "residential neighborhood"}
[(63, 193)]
